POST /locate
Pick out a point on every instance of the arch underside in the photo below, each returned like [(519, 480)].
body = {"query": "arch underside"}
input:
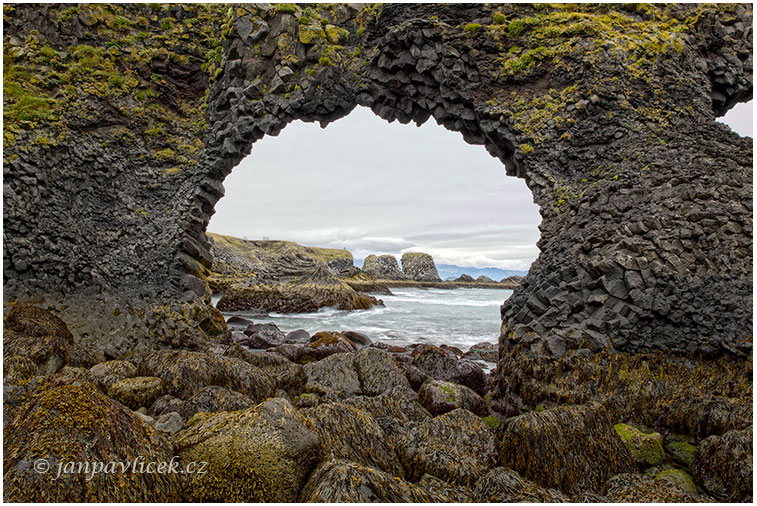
[(645, 200)]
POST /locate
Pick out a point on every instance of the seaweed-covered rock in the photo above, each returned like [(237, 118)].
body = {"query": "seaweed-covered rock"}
[(136, 392), (679, 478), (337, 481), (439, 397), (724, 467), (165, 404), (702, 416), (286, 375), (105, 374), (398, 405), (185, 372), (213, 399), (443, 491), (445, 366), (379, 373), (323, 344), (60, 422), (419, 267), (416, 377), (37, 335), (645, 449), (261, 454), (18, 369), (263, 336), (213, 323), (76, 374), (572, 448), (351, 434), (628, 487), (81, 357), (357, 338), (335, 373), (457, 447), (505, 485)]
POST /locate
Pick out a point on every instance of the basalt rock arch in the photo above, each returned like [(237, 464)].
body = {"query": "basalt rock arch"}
[(606, 112)]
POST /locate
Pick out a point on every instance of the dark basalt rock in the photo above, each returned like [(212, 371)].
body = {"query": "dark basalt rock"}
[(572, 448), (298, 336), (482, 351), (419, 267), (723, 464), (264, 336)]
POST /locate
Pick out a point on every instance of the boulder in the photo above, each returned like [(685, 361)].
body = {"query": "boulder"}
[(419, 267), (680, 479), (237, 322), (37, 335), (572, 448), (703, 415), (379, 373), (286, 375), (416, 377), (439, 397), (338, 481), (213, 323), (263, 336), (298, 336), (18, 370), (398, 405), (723, 465), (185, 372), (357, 338), (169, 422), (383, 267), (136, 392), (335, 373), (61, 422), (81, 357), (457, 447), (681, 452), (261, 454), (213, 399), (444, 366), (488, 352), (165, 404), (505, 485), (105, 374), (351, 434), (76, 374), (645, 489), (443, 491), (645, 449)]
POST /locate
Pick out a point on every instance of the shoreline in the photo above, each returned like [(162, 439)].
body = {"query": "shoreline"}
[(450, 285)]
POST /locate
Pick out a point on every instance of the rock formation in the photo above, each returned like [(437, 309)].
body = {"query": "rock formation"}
[(383, 267), (419, 267), (606, 111)]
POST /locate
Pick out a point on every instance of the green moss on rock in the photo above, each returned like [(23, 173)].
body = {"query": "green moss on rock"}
[(679, 478), (645, 449)]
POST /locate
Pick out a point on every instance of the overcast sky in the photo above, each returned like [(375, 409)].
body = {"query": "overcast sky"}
[(377, 187)]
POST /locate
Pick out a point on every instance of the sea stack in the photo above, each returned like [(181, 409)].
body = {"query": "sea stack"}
[(419, 267), (383, 267)]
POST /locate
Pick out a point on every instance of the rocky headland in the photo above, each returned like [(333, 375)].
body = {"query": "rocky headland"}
[(624, 362)]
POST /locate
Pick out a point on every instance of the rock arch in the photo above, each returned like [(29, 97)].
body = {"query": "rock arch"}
[(607, 114)]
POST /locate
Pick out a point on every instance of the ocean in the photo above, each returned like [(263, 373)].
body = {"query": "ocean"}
[(461, 317)]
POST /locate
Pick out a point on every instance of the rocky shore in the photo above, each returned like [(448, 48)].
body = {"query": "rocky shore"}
[(285, 277), (335, 417)]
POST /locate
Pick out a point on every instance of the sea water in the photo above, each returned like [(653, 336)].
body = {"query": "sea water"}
[(458, 317)]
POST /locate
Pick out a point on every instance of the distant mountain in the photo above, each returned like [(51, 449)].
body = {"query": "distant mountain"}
[(447, 272)]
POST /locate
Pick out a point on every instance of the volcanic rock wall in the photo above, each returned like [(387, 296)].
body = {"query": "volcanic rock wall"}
[(606, 111)]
